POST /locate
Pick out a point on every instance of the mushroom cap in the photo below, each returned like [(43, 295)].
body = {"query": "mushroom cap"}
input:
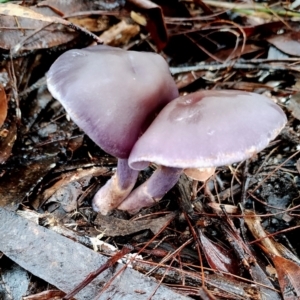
[(209, 129), (111, 94)]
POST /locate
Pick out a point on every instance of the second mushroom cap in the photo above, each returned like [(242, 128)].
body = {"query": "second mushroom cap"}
[(110, 93), (209, 128)]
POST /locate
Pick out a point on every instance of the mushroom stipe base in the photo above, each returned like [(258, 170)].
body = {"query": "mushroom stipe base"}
[(151, 191), (116, 189)]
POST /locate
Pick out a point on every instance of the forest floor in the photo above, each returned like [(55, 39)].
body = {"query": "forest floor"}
[(234, 236)]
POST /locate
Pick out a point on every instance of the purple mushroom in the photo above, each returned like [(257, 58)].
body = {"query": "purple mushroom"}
[(205, 129), (112, 95)]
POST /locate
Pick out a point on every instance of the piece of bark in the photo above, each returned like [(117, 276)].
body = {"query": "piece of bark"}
[(65, 263), (224, 286)]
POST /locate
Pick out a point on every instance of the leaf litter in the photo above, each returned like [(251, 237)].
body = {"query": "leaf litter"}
[(244, 221)]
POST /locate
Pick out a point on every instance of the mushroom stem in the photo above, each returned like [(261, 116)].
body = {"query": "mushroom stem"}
[(116, 189), (152, 190)]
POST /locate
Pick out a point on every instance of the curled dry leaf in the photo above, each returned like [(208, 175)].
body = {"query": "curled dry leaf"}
[(46, 295), (217, 257), (155, 20), (14, 10), (288, 271), (34, 31), (298, 165), (120, 34), (92, 24), (288, 274), (68, 188), (31, 34), (286, 253), (3, 105), (19, 181), (288, 42)]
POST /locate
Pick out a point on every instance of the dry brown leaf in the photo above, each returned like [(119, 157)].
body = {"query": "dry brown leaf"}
[(286, 253), (288, 271), (254, 224), (7, 140), (298, 165), (138, 18), (120, 34), (111, 226), (226, 54), (155, 20), (63, 7), (217, 257), (31, 34), (19, 181), (288, 276), (92, 24), (72, 177), (288, 42), (271, 271), (230, 209), (14, 10), (3, 105), (46, 295)]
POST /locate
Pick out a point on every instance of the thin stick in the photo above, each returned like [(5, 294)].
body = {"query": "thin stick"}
[(110, 262)]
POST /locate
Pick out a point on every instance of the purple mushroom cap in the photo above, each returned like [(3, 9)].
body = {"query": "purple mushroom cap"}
[(209, 129), (112, 94)]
